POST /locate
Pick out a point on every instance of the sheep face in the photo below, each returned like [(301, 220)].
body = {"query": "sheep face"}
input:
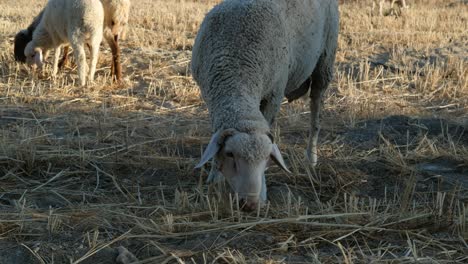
[(33, 55), (242, 159)]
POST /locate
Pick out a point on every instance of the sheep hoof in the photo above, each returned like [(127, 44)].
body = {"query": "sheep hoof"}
[(125, 256)]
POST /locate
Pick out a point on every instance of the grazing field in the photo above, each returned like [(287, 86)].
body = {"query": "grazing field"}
[(86, 170)]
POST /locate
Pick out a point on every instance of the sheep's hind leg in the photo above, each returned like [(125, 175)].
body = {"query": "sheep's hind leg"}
[(80, 58), (64, 60), (94, 54), (116, 68), (321, 78), (315, 104)]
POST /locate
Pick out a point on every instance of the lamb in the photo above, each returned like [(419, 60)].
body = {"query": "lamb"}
[(81, 25), (23, 37), (116, 13), (247, 56)]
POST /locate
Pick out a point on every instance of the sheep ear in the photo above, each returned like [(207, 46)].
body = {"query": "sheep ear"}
[(216, 141), (277, 158), (38, 58), (211, 150)]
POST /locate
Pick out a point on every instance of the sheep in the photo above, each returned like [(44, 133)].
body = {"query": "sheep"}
[(77, 22), (247, 56), (399, 3), (116, 13), (23, 37)]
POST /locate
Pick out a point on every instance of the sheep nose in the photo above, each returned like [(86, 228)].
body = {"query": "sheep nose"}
[(248, 205)]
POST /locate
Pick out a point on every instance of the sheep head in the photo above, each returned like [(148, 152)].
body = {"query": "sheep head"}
[(21, 40), (242, 159), (33, 55)]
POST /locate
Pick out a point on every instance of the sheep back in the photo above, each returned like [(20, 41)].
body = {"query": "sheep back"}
[(251, 51), (69, 21)]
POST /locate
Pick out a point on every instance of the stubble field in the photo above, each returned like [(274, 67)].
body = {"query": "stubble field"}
[(84, 170)]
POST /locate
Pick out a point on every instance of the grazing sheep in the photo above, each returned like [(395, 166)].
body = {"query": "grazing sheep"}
[(247, 56), (78, 22), (116, 14), (23, 37), (399, 3)]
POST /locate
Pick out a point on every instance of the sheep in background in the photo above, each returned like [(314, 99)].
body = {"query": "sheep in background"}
[(247, 56), (116, 14), (78, 22), (398, 3), (23, 37)]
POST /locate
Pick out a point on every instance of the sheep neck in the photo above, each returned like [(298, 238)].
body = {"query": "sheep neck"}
[(239, 112)]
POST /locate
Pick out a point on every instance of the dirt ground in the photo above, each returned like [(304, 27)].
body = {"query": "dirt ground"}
[(84, 170)]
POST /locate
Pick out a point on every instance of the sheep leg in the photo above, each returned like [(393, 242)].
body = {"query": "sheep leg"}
[(116, 68), (403, 3), (64, 59), (116, 57), (56, 62), (94, 54), (315, 103), (80, 58), (381, 6), (321, 78)]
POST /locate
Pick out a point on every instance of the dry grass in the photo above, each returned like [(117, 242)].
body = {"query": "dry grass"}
[(84, 170)]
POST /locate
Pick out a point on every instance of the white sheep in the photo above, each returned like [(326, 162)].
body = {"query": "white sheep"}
[(248, 56), (116, 13), (23, 37), (74, 22)]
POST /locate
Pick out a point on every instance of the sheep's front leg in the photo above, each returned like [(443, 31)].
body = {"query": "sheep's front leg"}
[(94, 54), (80, 58), (56, 62), (116, 68), (381, 6)]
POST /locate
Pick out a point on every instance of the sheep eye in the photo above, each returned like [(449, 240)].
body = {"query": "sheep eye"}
[(230, 154), (113, 23)]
